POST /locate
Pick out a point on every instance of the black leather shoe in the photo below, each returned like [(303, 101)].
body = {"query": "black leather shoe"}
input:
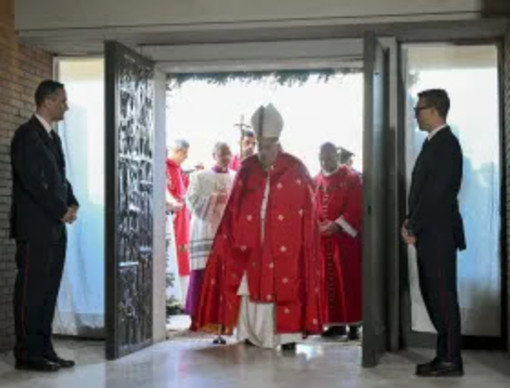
[(290, 347), (438, 368), (421, 368), (353, 333), (60, 361), (334, 331), (247, 342), (41, 365), (219, 340)]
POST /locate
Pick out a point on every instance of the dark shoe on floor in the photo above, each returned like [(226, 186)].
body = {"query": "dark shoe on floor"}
[(60, 361), (353, 333), (41, 365), (334, 331), (438, 368), (247, 342), (426, 367), (290, 347), (219, 341)]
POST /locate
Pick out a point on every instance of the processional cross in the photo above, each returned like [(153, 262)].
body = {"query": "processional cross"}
[(242, 126)]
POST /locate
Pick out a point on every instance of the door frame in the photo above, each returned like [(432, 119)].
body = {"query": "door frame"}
[(289, 60), (410, 338), (376, 328)]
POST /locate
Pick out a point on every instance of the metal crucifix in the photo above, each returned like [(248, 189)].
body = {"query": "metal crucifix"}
[(242, 126)]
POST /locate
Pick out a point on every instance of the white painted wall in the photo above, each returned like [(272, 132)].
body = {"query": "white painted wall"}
[(54, 14)]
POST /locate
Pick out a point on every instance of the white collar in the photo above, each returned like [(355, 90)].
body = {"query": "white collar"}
[(435, 131), (326, 174), (44, 123)]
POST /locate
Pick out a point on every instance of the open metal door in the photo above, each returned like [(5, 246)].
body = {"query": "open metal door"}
[(375, 199), (129, 163)]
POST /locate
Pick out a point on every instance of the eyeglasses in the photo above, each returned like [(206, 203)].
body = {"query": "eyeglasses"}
[(417, 109)]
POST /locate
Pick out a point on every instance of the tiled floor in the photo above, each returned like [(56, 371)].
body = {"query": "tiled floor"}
[(188, 361)]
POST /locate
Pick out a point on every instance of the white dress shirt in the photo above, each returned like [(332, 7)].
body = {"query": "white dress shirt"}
[(44, 123), (435, 131)]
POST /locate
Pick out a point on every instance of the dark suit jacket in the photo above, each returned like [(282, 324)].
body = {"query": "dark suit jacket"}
[(41, 193), (435, 185)]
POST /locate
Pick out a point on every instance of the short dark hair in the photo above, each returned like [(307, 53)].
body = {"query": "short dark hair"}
[(438, 99), (47, 88), (328, 147), (247, 133)]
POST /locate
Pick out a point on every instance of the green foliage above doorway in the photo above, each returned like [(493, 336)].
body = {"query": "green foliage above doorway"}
[(281, 77)]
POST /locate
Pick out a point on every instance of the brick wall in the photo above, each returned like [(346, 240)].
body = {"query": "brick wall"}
[(21, 69)]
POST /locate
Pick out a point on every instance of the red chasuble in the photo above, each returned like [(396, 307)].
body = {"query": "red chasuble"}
[(285, 269), (178, 183)]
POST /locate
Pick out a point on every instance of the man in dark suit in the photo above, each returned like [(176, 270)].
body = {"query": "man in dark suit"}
[(42, 203), (434, 226)]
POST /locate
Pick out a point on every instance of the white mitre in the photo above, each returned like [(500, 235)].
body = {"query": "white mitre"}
[(267, 122)]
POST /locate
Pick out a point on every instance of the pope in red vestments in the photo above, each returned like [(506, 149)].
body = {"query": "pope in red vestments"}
[(339, 196), (264, 272), (177, 186)]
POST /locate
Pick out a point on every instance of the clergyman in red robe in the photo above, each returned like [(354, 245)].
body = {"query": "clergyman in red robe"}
[(264, 273), (177, 186), (339, 202)]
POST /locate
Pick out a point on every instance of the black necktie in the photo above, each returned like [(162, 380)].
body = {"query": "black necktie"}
[(53, 136), (56, 146)]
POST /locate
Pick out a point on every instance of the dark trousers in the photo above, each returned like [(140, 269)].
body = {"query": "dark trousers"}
[(40, 266), (437, 270)]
